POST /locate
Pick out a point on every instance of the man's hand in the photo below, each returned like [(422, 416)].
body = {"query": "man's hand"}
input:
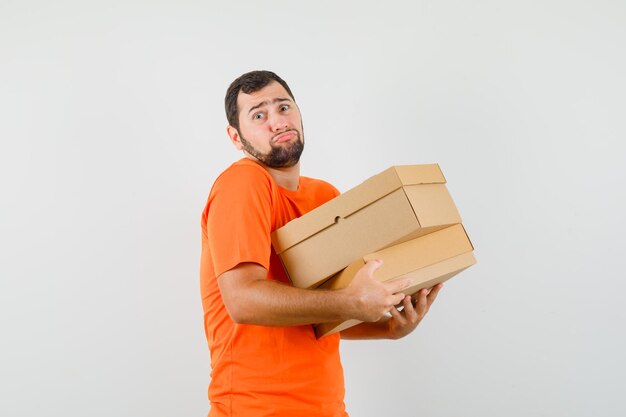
[(402, 323), (372, 299)]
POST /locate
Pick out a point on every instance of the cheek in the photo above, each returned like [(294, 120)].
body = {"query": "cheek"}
[(296, 120), (258, 139)]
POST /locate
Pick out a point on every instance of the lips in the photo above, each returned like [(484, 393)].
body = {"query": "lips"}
[(284, 137)]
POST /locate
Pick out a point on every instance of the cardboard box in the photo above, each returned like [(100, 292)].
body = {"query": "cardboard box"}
[(427, 260), (397, 205)]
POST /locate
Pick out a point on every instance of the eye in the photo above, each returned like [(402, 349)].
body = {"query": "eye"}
[(257, 116), (284, 107)]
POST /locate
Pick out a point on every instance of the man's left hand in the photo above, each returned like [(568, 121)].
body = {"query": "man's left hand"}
[(404, 322)]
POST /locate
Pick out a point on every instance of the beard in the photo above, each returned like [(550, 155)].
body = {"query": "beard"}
[(282, 155)]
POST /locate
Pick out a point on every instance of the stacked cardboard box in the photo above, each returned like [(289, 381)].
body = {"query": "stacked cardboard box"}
[(404, 216)]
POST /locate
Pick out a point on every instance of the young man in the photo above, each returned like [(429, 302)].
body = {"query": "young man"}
[(265, 358)]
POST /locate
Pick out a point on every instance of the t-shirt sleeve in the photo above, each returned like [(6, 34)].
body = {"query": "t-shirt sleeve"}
[(239, 219)]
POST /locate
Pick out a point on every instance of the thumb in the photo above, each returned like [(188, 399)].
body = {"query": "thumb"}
[(371, 266)]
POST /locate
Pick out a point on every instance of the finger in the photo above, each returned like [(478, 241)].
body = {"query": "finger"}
[(395, 299), (409, 311), (416, 296), (421, 304), (397, 284), (432, 295), (397, 315), (371, 266)]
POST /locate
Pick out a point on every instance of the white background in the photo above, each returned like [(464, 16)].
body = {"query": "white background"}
[(112, 131)]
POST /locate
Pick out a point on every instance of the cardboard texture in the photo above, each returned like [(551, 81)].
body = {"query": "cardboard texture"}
[(427, 260), (397, 205)]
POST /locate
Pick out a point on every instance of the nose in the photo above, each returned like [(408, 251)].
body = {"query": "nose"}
[(278, 122)]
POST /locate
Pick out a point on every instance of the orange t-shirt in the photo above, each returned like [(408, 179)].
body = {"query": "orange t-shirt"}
[(260, 370)]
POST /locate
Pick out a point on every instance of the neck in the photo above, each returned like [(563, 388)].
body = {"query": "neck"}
[(288, 178)]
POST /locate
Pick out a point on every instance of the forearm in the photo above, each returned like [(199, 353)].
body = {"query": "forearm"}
[(271, 303)]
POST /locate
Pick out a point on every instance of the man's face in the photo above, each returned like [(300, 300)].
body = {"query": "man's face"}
[(270, 127)]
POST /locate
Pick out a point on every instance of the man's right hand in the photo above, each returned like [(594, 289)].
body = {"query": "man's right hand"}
[(371, 299)]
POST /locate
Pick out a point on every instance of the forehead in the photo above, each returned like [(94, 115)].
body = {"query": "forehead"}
[(268, 93)]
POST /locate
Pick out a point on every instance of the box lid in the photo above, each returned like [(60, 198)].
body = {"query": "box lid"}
[(353, 200)]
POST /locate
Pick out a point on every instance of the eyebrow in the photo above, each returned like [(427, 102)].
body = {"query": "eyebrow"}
[(266, 102)]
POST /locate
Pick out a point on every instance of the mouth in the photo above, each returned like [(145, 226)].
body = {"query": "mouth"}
[(285, 137)]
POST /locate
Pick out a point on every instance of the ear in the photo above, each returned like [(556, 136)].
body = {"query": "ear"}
[(233, 134)]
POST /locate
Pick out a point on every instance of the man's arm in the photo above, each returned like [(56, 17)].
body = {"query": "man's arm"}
[(399, 324), (252, 299)]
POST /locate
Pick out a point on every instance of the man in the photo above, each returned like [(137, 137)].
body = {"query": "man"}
[(265, 358)]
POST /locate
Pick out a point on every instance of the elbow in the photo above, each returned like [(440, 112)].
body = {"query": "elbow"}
[(239, 318), (239, 314)]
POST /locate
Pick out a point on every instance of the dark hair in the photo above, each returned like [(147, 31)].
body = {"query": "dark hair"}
[(249, 82)]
